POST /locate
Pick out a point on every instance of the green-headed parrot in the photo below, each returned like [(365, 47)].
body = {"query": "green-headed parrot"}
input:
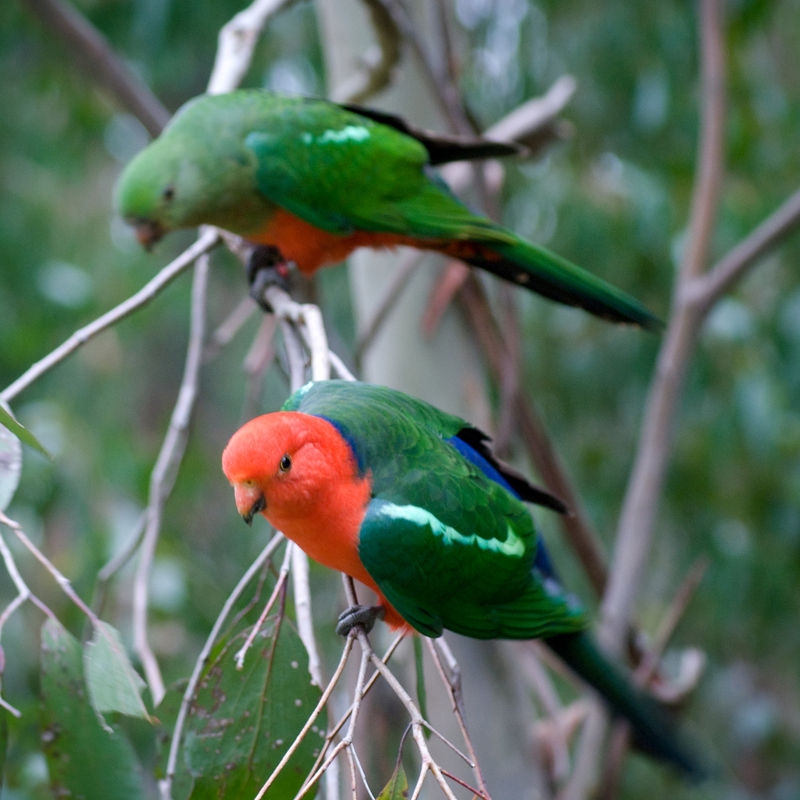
[(411, 502), (311, 181)]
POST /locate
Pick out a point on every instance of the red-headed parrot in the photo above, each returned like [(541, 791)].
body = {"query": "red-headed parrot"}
[(312, 181), (411, 502)]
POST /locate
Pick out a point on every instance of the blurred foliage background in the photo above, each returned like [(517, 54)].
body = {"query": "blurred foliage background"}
[(614, 199)]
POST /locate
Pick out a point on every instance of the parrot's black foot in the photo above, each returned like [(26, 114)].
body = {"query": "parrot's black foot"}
[(366, 616), (266, 267)]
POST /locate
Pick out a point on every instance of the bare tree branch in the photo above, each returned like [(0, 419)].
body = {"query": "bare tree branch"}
[(708, 288), (637, 518), (168, 274), (379, 62), (89, 48), (545, 457), (237, 41), (168, 462)]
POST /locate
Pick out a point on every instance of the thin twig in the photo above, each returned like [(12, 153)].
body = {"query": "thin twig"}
[(162, 477), (707, 289), (117, 562), (227, 330), (310, 722), (524, 124), (305, 618), (416, 718), (236, 42), (209, 239), (165, 785), (23, 594), (401, 277), (277, 590), (308, 321), (637, 517), (60, 579), (257, 362), (338, 366), (452, 682), (377, 65), (644, 672), (346, 716), (647, 667), (576, 525), (346, 742)]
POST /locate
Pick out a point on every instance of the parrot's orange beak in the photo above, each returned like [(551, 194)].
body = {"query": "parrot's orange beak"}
[(249, 501), (148, 232)]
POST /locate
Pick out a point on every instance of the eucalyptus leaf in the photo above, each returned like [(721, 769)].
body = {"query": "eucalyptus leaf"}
[(10, 465), (23, 434), (113, 683), (397, 788), (85, 760), (243, 721)]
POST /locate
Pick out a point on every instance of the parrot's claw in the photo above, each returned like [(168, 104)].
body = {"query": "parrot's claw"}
[(266, 267), (366, 616)]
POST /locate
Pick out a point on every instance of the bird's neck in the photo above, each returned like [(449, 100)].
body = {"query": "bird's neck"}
[(328, 526)]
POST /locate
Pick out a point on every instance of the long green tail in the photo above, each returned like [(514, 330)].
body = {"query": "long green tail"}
[(552, 276), (654, 730)]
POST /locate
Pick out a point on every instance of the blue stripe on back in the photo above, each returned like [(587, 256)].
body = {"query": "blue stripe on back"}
[(542, 561), (351, 443), (474, 457)]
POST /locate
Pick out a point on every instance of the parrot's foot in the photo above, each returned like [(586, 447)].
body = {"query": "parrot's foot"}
[(366, 616), (266, 267)]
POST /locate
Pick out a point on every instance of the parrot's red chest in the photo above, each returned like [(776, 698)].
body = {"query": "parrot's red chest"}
[(310, 247), (329, 535)]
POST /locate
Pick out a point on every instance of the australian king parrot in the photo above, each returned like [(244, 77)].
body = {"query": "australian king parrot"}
[(411, 502), (310, 181)]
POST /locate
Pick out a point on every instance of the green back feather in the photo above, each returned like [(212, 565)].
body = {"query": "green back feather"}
[(448, 547)]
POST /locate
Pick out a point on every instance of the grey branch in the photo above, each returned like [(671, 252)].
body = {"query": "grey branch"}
[(168, 274), (90, 49)]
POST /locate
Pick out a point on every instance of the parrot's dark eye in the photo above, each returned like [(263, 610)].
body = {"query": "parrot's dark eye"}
[(168, 192), (286, 463)]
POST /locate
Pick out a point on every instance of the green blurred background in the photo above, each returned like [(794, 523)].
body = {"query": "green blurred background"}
[(614, 198)]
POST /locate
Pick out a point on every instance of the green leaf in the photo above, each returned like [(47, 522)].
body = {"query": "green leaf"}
[(10, 465), (242, 722), (8, 421), (114, 685), (397, 788), (85, 760)]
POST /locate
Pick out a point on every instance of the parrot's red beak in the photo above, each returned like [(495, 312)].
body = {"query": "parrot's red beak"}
[(249, 501), (148, 232)]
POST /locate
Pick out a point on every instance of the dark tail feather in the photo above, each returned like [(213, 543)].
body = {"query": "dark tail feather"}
[(552, 276), (653, 729)]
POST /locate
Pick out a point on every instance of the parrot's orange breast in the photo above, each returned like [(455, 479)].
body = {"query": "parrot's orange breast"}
[(311, 247), (329, 535)]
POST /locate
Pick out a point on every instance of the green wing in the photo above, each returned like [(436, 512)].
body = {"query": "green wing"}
[(447, 546), (483, 586), (343, 172)]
